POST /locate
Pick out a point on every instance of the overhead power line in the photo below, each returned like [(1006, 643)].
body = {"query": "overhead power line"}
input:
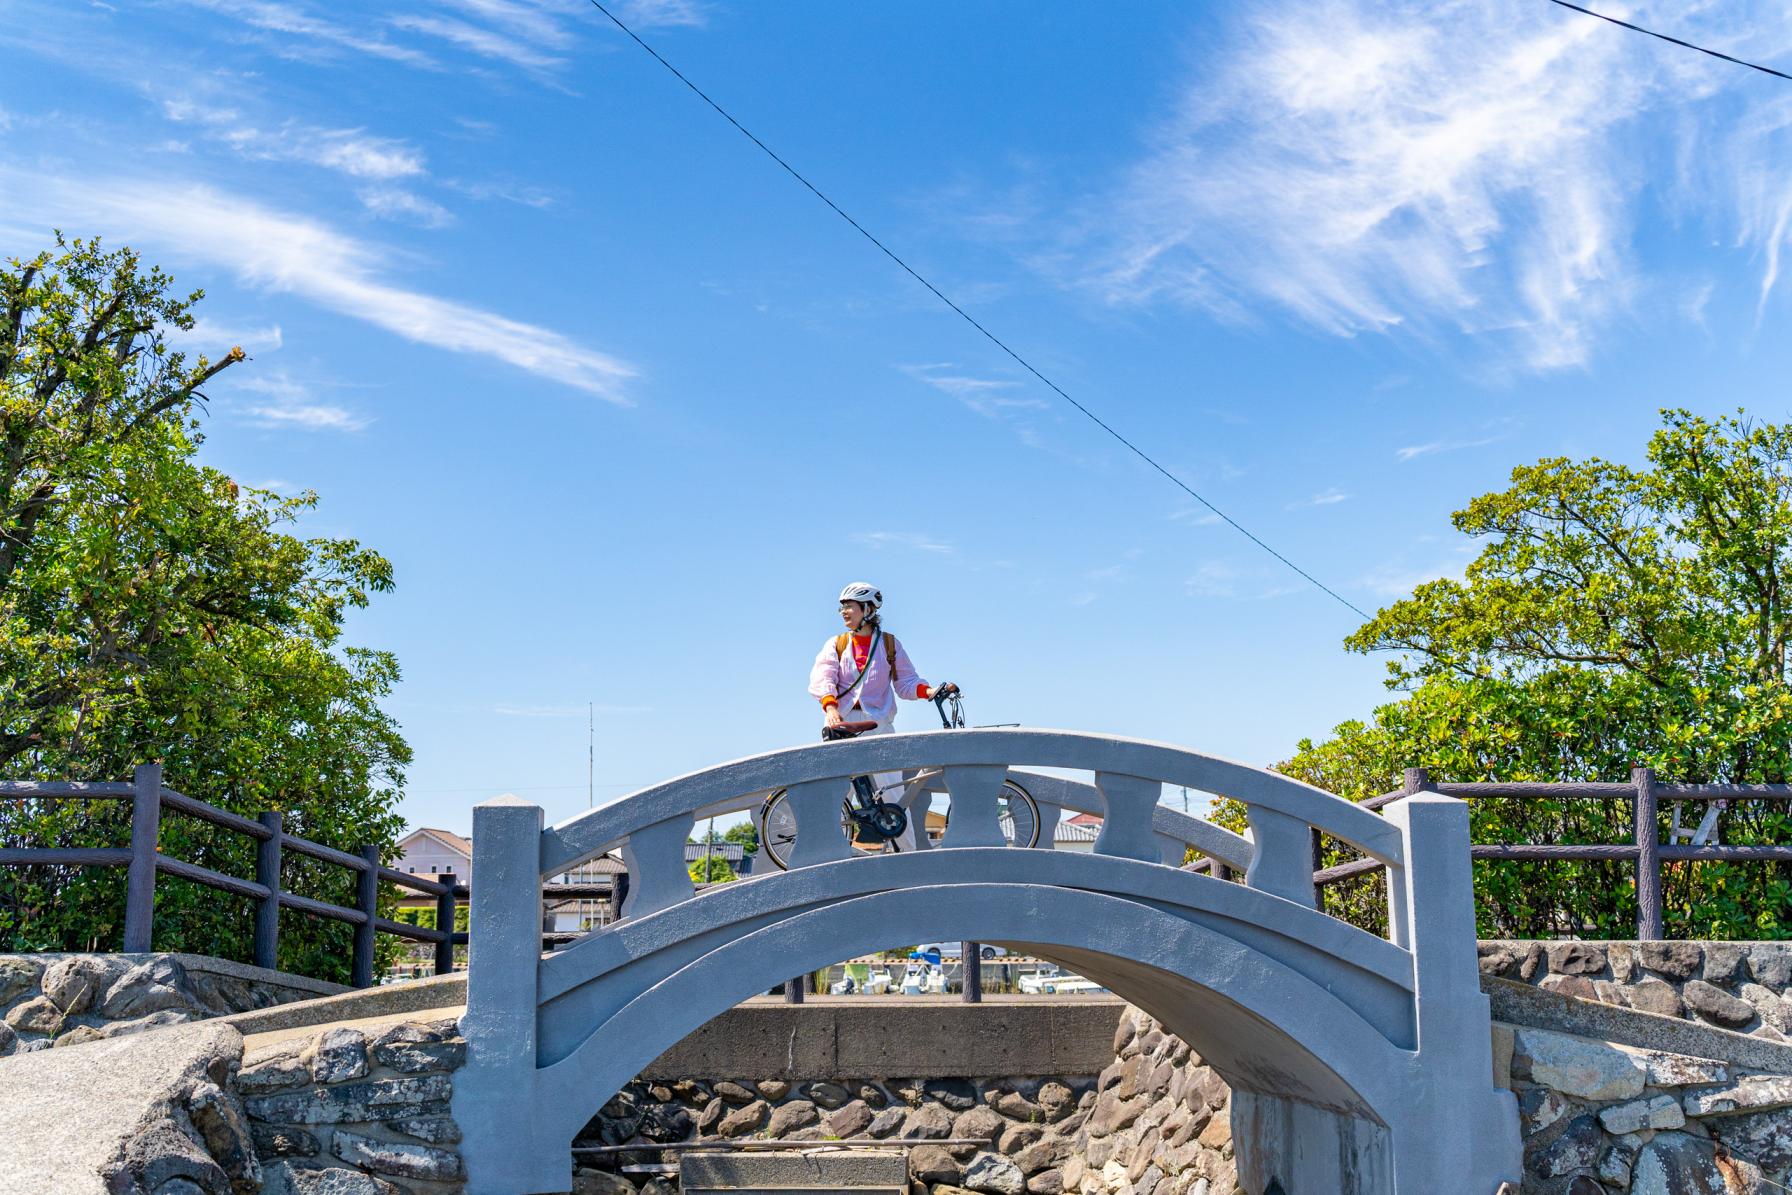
[(1754, 66), (969, 319)]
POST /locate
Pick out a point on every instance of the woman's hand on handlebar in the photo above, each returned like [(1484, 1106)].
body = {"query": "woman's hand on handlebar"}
[(944, 690), (831, 716)]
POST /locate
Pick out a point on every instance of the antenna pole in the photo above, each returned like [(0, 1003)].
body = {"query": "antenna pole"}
[(590, 754)]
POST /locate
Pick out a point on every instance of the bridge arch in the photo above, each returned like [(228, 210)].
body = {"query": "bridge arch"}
[(1375, 1049)]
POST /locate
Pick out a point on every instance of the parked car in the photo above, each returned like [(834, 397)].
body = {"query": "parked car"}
[(956, 950)]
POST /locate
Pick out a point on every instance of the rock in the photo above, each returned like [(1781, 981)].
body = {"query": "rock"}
[(600, 1182), (78, 1035), (1578, 986), (1576, 1066), (39, 1014), (1540, 1107), (1723, 962), (1046, 1182), (1017, 1137), (1147, 1182), (666, 1122), (980, 1123), (711, 1116), (691, 1092), (886, 1122), (437, 1130), (271, 1072), (932, 1164), (772, 1089), (155, 1020), (956, 1094), (9, 1041), (284, 1178), (786, 1118), (744, 1119), (279, 1141), (734, 1093), (1622, 957), (928, 1122), (416, 1050), (379, 1099), (74, 983), (19, 975), (1661, 1112), (1143, 1154), (1125, 1032), (994, 1175), (1662, 1069), (1716, 1005), (1016, 1106), (1771, 965), (872, 1094), (339, 1055), (155, 985), (1111, 1115), (1678, 959), (397, 1158), (1575, 958), (850, 1120), (1577, 1147), (1055, 1100), (221, 1124), (1751, 1093), (1677, 1164), (829, 1096), (1499, 959), (1650, 994), (1764, 1138), (1042, 1154), (1614, 1167), (1775, 1011)]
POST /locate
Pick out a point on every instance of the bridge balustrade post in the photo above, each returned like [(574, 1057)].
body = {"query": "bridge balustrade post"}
[(975, 790), (1127, 805), (503, 990), (917, 800), (658, 875), (267, 874), (819, 838), (140, 881), (1282, 862)]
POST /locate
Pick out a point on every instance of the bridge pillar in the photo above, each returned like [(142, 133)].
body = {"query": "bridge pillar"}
[(503, 957)]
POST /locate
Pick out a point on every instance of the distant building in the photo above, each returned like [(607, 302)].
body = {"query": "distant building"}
[(429, 853)]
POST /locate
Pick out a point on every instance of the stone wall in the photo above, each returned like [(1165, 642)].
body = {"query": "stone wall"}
[(66, 999), (347, 1112), (1743, 986)]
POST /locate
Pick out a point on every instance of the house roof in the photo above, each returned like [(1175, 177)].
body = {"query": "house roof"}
[(448, 838), (731, 851)]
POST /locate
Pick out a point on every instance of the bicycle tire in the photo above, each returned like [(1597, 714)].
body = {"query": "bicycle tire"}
[(1010, 789), (776, 845)]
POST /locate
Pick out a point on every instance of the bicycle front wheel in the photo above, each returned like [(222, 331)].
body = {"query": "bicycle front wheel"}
[(1018, 813), (776, 822)]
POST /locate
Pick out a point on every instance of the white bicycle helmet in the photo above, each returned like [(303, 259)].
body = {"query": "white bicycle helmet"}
[(865, 592)]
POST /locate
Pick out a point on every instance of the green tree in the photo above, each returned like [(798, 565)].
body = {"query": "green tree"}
[(1615, 616), (746, 834), (711, 869), (152, 609)]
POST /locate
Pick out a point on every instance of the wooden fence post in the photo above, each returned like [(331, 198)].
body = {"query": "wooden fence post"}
[(793, 989), (367, 900), (1648, 858), (445, 923), (267, 910), (973, 972), (140, 885)]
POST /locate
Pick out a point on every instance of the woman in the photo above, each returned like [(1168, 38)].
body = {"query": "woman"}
[(865, 670)]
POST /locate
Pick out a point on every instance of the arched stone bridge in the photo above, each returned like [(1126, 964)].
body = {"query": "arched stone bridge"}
[(1358, 1064)]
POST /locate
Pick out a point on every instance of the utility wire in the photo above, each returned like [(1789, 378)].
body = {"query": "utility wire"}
[(1766, 70), (969, 319)]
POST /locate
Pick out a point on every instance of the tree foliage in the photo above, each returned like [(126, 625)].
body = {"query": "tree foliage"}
[(1615, 617), (711, 869), (152, 609)]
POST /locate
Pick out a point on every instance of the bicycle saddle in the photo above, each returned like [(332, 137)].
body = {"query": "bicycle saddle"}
[(845, 730)]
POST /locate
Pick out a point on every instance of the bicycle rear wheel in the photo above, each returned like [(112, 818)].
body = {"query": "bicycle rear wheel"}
[(1018, 813), (776, 823)]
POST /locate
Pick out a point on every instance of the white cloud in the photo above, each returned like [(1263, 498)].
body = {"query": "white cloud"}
[(1475, 165), (986, 396), (902, 539), (353, 152), (294, 254), (214, 338), (1329, 497), (651, 14), (310, 417), (295, 21), (1416, 450), (1213, 579), (479, 41), (396, 203)]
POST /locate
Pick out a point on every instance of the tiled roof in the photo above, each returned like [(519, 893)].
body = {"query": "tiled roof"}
[(447, 838)]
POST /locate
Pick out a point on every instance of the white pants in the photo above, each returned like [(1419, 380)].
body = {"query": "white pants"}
[(906, 840)]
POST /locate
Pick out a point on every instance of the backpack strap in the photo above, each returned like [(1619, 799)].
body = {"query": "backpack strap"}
[(840, 642), (890, 654)]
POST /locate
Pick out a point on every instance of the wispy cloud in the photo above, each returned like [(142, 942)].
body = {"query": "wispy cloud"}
[(294, 254), (986, 396), (1213, 579), (902, 539), (1329, 497), (1416, 450), (1347, 162), (396, 203), (214, 338), (651, 14), (286, 404), (296, 22), (353, 152), (483, 42)]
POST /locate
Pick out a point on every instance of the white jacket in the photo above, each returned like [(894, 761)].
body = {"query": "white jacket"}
[(834, 673)]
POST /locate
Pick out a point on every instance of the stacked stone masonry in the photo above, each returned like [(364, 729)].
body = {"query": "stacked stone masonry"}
[(347, 1112), (63, 1000), (1741, 986)]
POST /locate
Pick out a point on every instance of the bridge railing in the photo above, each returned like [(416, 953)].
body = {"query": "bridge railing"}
[(144, 862), (650, 828)]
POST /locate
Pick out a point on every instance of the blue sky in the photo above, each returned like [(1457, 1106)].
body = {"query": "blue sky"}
[(626, 406)]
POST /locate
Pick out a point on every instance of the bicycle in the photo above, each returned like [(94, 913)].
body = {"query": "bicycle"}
[(872, 823)]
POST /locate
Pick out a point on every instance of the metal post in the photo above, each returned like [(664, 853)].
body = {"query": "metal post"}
[(267, 910), (793, 990), (1648, 858), (1318, 866), (618, 895), (140, 886), (973, 972), (367, 899), (445, 923)]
